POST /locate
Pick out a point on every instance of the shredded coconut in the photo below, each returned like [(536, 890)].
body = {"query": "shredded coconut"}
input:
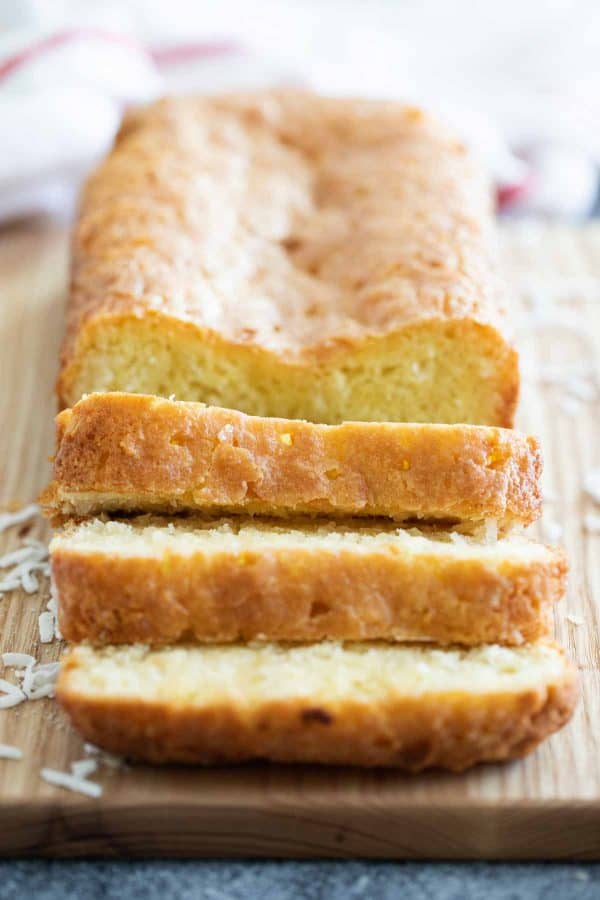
[(18, 659), (10, 694), (108, 759), (226, 433), (46, 627), (8, 519), (591, 523), (22, 564), (83, 767), (77, 778), (71, 782), (574, 620), (52, 610), (9, 752), (37, 680)]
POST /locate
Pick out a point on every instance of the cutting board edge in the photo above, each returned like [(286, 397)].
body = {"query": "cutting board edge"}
[(517, 830)]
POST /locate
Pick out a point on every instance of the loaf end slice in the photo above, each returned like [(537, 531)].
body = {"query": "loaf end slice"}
[(360, 705)]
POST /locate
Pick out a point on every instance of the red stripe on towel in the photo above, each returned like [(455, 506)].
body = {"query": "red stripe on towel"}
[(22, 57)]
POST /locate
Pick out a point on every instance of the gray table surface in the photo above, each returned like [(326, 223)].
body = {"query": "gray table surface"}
[(245, 880)]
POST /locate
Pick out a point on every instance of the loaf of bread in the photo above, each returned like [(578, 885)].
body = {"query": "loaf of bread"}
[(130, 452), (150, 581), (291, 255), (358, 704)]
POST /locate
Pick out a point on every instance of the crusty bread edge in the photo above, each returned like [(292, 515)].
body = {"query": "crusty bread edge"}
[(138, 452), (452, 731), (304, 594)]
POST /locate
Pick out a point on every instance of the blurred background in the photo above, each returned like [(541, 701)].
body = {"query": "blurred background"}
[(520, 80)]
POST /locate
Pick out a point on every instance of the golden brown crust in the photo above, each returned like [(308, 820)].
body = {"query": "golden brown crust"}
[(452, 731), (292, 226), (367, 197), (304, 594), (135, 452)]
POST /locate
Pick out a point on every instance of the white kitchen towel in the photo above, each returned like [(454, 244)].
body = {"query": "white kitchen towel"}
[(61, 99), (63, 91)]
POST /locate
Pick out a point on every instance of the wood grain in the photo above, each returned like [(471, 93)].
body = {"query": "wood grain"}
[(547, 806)]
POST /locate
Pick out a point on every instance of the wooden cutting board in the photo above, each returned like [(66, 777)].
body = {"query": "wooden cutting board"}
[(547, 806)]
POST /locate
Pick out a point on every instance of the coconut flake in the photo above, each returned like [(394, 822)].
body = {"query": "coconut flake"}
[(45, 690), (22, 564), (46, 627), (8, 519), (41, 681), (573, 619), (9, 686), (71, 782), (18, 659), (15, 557), (53, 605), (9, 752), (37, 679), (226, 433), (108, 759), (48, 620), (10, 694), (81, 768), (591, 523)]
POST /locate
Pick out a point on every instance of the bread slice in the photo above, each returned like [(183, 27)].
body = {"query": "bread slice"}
[(291, 255), (134, 452), (156, 582), (358, 704)]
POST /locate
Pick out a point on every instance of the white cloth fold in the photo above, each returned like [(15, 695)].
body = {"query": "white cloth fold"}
[(64, 85), (61, 100)]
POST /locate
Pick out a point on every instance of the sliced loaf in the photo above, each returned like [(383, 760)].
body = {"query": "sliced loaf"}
[(240, 579), (358, 704), (140, 453)]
